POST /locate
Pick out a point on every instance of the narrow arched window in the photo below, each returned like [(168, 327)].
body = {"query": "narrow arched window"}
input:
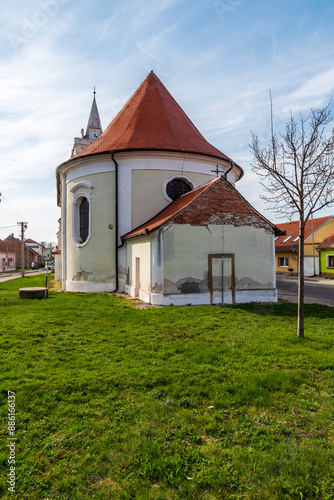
[(84, 219)]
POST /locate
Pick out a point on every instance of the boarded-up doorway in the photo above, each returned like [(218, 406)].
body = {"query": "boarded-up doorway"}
[(222, 278), (137, 279)]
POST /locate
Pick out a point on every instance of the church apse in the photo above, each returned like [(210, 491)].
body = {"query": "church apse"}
[(91, 258)]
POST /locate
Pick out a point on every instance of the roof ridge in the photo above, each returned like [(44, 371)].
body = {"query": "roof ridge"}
[(308, 220)]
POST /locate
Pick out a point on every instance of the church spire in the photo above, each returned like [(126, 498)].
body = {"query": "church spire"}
[(93, 130)]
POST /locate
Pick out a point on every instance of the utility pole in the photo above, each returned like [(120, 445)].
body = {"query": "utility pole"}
[(23, 227)]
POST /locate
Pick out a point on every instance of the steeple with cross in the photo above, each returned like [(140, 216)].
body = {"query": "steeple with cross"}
[(93, 130)]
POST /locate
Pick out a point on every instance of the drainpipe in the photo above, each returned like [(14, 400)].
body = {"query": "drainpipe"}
[(229, 170), (63, 231), (225, 177), (116, 216)]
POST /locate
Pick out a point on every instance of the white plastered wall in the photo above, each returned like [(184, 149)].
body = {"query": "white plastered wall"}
[(139, 268), (91, 266), (184, 251), (141, 176)]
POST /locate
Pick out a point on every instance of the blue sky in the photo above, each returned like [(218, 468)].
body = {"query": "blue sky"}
[(218, 59)]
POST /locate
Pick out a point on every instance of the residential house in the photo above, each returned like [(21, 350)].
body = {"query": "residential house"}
[(326, 254), (287, 246), (38, 247), (31, 257), (7, 258), (47, 254)]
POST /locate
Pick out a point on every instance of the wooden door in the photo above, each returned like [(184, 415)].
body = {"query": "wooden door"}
[(222, 278)]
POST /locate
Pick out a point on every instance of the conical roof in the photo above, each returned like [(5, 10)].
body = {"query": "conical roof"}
[(152, 120), (94, 118)]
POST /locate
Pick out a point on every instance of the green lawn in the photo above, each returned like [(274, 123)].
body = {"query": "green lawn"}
[(114, 402)]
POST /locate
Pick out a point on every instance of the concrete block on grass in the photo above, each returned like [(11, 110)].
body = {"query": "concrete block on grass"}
[(36, 292)]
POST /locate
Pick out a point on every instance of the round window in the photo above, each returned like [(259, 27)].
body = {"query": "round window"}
[(176, 188)]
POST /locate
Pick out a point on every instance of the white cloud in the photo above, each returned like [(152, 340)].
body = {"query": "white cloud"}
[(219, 69)]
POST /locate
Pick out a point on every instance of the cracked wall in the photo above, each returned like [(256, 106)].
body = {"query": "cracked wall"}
[(186, 250)]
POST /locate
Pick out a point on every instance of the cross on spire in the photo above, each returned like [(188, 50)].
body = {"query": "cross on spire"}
[(94, 90), (217, 171)]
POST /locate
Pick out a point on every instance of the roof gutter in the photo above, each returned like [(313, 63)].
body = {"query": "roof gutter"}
[(116, 217)]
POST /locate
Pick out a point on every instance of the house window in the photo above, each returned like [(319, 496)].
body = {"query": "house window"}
[(283, 262), (176, 188), (330, 260)]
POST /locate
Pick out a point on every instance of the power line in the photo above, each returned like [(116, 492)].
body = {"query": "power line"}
[(8, 214), (15, 212), (6, 227)]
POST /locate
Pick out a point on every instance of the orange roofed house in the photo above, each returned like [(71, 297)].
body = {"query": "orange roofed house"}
[(149, 207), (287, 246)]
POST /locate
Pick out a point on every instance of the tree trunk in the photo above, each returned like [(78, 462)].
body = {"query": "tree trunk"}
[(300, 326)]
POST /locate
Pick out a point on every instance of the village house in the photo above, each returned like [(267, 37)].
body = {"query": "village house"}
[(287, 246), (32, 258), (326, 256), (38, 247), (149, 207), (7, 258)]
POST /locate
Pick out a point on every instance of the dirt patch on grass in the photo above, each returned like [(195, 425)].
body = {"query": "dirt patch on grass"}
[(55, 286)]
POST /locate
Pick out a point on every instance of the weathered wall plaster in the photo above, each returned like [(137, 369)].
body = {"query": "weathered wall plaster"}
[(93, 262), (186, 250)]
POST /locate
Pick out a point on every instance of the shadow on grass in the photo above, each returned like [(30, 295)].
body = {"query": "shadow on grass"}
[(286, 310)]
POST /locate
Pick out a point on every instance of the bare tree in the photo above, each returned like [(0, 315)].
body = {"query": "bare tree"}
[(297, 172)]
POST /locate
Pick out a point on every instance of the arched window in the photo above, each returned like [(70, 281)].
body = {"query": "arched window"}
[(176, 188), (81, 219), (84, 219)]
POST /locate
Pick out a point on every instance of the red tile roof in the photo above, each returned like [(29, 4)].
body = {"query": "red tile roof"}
[(152, 120), (4, 247), (327, 242), (292, 231), (223, 205)]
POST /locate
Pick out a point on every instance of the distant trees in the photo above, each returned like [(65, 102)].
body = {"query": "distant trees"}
[(297, 172)]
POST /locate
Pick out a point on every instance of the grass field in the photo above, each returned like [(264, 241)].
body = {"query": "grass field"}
[(115, 402)]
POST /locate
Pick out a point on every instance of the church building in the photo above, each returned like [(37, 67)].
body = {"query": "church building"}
[(150, 208)]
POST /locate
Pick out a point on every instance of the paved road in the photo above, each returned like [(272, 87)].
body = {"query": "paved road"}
[(316, 289), (14, 275)]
